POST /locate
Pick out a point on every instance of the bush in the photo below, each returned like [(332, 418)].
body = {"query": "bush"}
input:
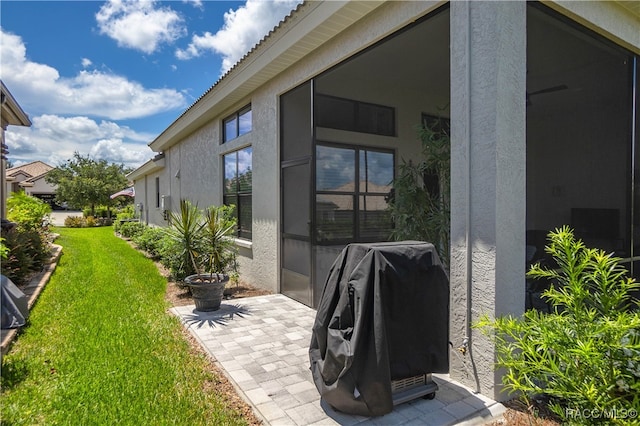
[(584, 356), (29, 212), (75, 222), (91, 222), (171, 257), (131, 229), (150, 240), (104, 221), (28, 251), (98, 212), (125, 214), (4, 250)]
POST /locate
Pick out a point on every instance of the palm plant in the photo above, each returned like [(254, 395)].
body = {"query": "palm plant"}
[(186, 230), (217, 243)]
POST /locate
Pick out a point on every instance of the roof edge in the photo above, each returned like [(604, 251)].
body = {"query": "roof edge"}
[(12, 113), (260, 64)]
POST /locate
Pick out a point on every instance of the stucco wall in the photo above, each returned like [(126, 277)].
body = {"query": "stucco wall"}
[(41, 186), (488, 83)]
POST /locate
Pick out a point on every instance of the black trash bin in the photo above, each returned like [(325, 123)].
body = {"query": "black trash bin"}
[(381, 327)]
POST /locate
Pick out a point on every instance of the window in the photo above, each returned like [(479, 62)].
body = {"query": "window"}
[(349, 208), (237, 124), (238, 189), (354, 116), (157, 192)]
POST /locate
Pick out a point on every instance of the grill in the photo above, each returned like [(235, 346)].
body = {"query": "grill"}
[(381, 328), (403, 390)]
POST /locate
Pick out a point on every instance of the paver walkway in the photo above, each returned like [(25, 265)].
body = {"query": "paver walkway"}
[(262, 345)]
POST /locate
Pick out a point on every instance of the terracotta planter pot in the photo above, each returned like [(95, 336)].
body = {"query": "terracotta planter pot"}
[(207, 290)]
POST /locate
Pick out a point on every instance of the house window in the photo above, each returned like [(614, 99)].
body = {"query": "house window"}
[(237, 124), (354, 116), (237, 189), (352, 189), (157, 192)]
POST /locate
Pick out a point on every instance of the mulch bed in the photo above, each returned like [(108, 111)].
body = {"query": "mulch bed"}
[(520, 414)]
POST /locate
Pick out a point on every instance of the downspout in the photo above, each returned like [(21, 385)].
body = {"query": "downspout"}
[(468, 341)]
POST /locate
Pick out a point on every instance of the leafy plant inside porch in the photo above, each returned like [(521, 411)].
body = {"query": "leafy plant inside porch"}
[(101, 348), (420, 203)]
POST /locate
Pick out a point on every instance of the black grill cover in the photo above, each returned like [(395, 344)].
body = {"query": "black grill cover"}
[(383, 315)]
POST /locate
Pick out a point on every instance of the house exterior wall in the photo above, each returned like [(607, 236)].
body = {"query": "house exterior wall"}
[(198, 158), (41, 186), (488, 146), (488, 180)]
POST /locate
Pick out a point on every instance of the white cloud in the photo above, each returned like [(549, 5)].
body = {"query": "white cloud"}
[(41, 89), (194, 3), (140, 25), (116, 151), (243, 28), (54, 139), (86, 62)]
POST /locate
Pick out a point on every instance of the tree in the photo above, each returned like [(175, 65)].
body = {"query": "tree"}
[(84, 181)]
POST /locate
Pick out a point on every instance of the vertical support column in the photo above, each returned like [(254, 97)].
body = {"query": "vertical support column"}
[(488, 158)]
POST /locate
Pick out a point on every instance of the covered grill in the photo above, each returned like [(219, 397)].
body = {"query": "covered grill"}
[(381, 327)]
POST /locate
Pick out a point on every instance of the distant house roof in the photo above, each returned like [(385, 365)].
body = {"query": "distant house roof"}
[(33, 170)]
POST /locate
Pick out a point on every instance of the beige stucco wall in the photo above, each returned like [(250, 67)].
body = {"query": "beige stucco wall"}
[(41, 186)]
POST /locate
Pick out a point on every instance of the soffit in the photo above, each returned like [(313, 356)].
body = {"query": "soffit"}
[(150, 166), (12, 114), (307, 28), (631, 6)]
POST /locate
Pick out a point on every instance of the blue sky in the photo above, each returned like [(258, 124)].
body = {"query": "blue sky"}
[(105, 78)]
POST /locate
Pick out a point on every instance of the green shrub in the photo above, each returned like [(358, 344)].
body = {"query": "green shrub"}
[(75, 222), (4, 250), (98, 212), (29, 212), (101, 212), (150, 240), (584, 356), (91, 221), (171, 257), (28, 251), (126, 213), (131, 229), (104, 221)]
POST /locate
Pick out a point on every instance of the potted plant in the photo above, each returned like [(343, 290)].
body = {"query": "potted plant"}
[(207, 251)]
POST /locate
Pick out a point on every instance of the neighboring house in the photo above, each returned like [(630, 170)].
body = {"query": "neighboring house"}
[(10, 115), (543, 109), (30, 178)]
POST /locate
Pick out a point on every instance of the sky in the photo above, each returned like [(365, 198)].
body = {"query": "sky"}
[(105, 78)]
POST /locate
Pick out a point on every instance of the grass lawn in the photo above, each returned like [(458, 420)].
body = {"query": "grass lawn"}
[(101, 349)]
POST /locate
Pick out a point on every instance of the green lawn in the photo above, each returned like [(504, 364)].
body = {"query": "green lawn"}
[(101, 348)]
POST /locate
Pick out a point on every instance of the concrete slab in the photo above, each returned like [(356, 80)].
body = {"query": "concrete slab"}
[(271, 369)]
